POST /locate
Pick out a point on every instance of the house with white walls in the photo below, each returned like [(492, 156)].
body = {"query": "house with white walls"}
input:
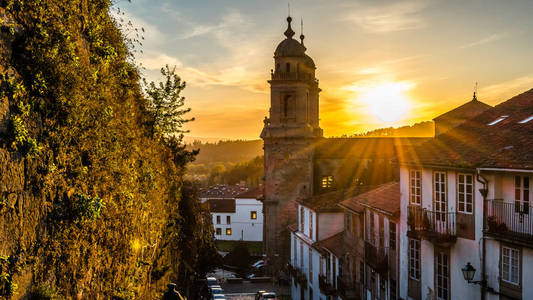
[(369, 266), (465, 230), (239, 218)]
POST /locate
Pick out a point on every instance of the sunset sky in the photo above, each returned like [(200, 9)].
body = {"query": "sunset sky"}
[(380, 63)]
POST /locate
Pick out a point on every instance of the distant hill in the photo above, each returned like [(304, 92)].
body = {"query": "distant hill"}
[(225, 152), (422, 129)]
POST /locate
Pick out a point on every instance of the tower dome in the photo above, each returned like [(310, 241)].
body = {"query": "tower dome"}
[(289, 47)]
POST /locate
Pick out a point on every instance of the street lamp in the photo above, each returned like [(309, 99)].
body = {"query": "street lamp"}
[(468, 272)]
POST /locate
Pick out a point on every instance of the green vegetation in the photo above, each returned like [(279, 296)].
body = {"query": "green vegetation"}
[(91, 166), (227, 162)]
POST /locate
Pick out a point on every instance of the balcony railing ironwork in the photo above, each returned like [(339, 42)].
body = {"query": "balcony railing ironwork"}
[(377, 257), (292, 76), (347, 288), (510, 218), (434, 225), (298, 274), (326, 286)]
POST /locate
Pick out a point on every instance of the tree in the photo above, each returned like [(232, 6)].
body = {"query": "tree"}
[(166, 104)]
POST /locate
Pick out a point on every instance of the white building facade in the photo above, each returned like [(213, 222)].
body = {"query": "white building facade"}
[(238, 219)]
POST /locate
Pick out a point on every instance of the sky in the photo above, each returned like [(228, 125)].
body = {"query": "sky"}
[(380, 63)]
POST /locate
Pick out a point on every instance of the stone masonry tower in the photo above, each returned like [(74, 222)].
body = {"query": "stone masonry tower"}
[(289, 136)]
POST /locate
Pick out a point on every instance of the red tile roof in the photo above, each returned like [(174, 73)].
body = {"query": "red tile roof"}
[(221, 205), (328, 202), (334, 244), (466, 111), (385, 197), (506, 144), (255, 193)]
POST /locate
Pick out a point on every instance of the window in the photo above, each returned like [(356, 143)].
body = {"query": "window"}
[(228, 220), (497, 120), (521, 192), (371, 233), (392, 236), (310, 265), (524, 121), (253, 215), (218, 231), (302, 219), (465, 202), (311, 224), (414, 259), (287, 67), (218, 219), (443, 276), (510, 265), (301, 254), (295, 251), (439, 196), (415, 187), (228, 231), (392, 289), (327, 181)]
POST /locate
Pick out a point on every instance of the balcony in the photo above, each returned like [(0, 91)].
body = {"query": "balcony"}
[(377, 257), (438, 227), (326, 286), (347, 289), (292, 76), (298, 275), (508, 220)]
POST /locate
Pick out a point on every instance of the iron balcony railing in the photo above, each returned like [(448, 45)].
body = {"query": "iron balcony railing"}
[(514, 218), (377, 257), (432, 222), (326, 286), (298, 274)]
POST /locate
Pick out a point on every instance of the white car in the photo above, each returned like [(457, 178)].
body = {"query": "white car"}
[(258, 264), (269, 296), (211, 281), (219, 297)]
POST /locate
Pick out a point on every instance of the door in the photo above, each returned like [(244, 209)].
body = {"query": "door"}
[(442, 285), (439, 202)]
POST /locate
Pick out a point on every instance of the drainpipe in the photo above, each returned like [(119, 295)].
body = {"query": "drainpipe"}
[(484, 192)]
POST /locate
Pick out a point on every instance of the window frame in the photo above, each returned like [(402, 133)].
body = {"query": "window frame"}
[(218, 231), (510, 266), (228, 220), (392, 235), (218, 221), (228, 230), (253, 215), (417, 180), (441, 215), (414, 270), (326, 182), (444, 275), (465, 193), (521, 197)]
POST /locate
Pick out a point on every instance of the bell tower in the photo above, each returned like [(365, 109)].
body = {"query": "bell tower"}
[(289, 136)]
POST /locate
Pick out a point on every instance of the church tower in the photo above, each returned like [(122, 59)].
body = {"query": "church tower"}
[(289, 136)]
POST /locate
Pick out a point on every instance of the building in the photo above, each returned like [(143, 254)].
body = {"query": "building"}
[(299, 162), (465, 205), (236, 217), (459, 115)]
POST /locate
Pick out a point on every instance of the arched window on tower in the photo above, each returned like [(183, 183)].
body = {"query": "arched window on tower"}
[(287, 108), (288, 67)]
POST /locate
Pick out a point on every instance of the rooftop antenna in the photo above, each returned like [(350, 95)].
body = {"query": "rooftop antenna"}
[(302, 36), (475, 92)]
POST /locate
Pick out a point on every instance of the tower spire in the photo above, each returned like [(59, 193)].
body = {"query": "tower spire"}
[(289, 33), (475, 92), (302, 36)]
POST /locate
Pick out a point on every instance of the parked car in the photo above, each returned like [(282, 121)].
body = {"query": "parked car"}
[(211, 281), (216, 291), (258, 264), (219, 297), (269, 296), (259, 294)]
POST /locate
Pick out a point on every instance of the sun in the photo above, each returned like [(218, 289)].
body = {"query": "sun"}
[(388, 101)]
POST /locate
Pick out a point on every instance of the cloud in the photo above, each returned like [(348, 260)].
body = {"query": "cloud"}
[(504, 90), (388, 18), (486, 40)]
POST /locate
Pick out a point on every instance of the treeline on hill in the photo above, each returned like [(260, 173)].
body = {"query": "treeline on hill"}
[(227, 162), (422, 129), (92, 200)]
